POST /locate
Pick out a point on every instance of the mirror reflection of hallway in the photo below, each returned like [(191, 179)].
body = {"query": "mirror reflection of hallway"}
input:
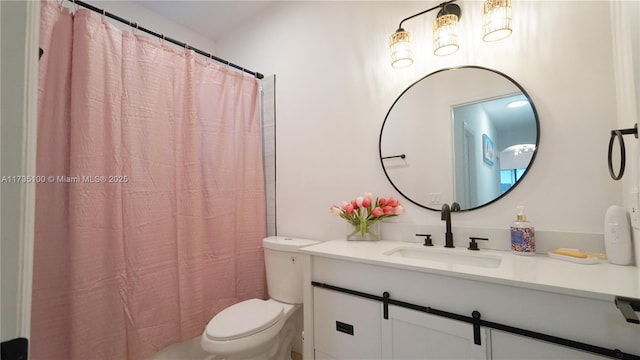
[(498, 145)]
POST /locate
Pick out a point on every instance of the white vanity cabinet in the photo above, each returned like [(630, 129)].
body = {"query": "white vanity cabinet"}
[(410, 334), (507, 346), (345, 316), (350, 327), (345, 326)]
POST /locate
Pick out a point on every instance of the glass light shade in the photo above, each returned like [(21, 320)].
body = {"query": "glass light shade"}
[(445, 34), (496, 18), (400, 46)]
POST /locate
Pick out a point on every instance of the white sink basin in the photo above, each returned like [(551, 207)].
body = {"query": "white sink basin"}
[(447, 256)]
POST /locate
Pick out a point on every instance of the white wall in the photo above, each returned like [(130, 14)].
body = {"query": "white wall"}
[(152, 21), (335, 86), (19, 94)]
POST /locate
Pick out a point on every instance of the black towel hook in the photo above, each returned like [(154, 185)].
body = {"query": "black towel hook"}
[(401, 156), (617, 134)]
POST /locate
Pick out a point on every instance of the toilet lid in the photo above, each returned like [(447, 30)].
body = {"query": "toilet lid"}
[(244, 319)]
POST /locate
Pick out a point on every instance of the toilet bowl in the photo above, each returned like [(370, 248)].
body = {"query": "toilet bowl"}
[(251, 329), (257, 329)]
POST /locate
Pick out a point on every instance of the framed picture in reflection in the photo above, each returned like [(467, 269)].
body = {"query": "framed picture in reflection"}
[(487, 150)]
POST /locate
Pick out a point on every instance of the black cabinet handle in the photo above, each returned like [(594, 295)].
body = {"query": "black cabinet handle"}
[(344, 328), (476, 327)]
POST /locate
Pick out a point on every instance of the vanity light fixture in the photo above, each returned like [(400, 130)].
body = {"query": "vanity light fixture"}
[(400, 45), (496, 26), (496, 18), (445, 35)]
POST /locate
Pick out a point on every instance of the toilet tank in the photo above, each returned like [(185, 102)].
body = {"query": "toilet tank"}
[(284, 267)]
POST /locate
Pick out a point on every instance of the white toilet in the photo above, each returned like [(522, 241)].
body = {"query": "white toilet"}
[(262, 329)]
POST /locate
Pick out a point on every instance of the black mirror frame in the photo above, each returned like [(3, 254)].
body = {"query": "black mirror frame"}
[(533, 108)]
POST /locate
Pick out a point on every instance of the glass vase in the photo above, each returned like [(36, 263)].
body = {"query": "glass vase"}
[(365, 231)]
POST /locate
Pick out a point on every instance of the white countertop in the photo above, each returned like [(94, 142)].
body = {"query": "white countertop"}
[(599, 281)]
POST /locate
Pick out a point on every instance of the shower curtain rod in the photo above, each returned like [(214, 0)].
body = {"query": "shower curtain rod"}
[(162, 36)]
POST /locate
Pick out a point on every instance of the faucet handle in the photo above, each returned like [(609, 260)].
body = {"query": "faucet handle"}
[(473, 245), (427, 239)]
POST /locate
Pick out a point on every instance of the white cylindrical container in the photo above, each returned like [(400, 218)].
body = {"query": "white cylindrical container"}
[(617, 236)]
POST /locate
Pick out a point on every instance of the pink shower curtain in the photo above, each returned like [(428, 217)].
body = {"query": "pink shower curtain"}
[(153, 212)]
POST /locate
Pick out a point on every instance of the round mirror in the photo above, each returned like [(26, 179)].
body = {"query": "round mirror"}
[(466, 134)]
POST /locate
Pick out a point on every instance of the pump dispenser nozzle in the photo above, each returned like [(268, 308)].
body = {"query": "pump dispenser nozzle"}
[(521, 215)]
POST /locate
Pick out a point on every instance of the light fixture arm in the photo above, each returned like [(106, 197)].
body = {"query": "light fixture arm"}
[(442, 8)]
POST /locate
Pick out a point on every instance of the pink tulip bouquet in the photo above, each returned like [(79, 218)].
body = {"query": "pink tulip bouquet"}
[(364, 211)]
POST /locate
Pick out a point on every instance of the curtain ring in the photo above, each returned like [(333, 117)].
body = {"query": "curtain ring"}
[(103, 14), (162, 40), (617, 134), (186, 47), (76, 5)]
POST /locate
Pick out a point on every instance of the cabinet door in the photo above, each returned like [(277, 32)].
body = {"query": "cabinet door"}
[(345, 326), (410, 334), (515, 347)]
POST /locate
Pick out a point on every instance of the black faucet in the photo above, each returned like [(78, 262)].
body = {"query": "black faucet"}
[(446, 216)]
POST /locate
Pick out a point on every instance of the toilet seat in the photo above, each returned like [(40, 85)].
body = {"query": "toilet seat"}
[(244, 319)]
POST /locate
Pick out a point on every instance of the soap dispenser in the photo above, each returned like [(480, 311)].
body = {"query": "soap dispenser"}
[(523, 238)]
